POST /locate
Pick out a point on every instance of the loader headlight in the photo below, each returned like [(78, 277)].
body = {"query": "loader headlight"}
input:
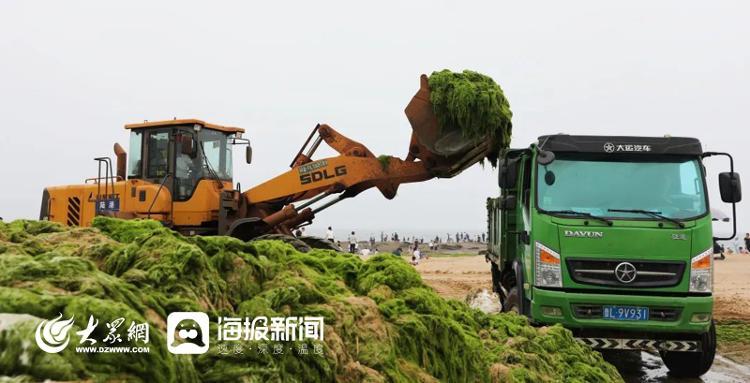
[(701, 272), (547, 266)]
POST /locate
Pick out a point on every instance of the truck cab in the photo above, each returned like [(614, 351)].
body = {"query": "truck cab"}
[(612, 238)]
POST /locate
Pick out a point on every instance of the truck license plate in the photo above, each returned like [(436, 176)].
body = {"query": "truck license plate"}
[(625, 313)]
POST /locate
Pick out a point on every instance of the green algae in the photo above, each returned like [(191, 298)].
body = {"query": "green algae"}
[(382, 322), (385, 161), (473, 104), (733, 331)]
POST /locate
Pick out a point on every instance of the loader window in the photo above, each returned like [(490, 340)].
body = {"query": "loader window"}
[(218, 153), (211, 160), (158, 154), (134, 157), (188, 169)]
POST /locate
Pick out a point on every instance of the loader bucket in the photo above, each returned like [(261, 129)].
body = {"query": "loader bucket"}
[(445, 152)]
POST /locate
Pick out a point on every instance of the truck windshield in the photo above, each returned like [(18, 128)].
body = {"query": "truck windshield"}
[(669, 186)]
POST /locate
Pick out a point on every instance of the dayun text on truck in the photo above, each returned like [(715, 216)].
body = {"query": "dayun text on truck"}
[(612, 238)]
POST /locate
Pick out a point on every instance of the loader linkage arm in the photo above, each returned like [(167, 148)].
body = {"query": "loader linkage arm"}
[(355, 170), (269, 207)]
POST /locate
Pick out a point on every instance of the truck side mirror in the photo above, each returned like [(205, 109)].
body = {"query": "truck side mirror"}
[(730, 187), (507, 172), (508, 202), (248, 154)]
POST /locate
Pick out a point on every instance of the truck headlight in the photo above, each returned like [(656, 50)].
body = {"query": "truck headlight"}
[(701, 272), (547, 266)]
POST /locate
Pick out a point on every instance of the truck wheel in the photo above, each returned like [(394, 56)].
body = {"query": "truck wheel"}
[(496, 284), (513, 301), (692, 364)]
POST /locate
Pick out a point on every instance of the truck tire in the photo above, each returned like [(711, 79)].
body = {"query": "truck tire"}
[(692, 364), (516, 301), (513, 301), (496, 283)]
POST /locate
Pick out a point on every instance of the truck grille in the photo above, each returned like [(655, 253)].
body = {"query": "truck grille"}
[(648, 273), (665, 314)]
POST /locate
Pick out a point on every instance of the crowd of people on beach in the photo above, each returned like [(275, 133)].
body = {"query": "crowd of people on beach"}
[(458, 237), (414, 245), (734, 246)]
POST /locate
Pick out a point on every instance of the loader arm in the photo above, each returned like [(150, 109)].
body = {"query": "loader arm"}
[(353, 171), (275, 206), (269, 206)]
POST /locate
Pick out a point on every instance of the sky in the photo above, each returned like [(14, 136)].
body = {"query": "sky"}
[(73, 73)]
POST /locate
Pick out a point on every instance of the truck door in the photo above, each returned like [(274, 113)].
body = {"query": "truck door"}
[(523, 247)]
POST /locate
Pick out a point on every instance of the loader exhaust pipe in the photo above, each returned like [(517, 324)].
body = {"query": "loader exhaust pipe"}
[(122, 158)]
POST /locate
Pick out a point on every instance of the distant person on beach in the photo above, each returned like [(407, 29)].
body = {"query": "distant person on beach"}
[(329, 234), (352, 242), (414, 260), (416, 254), (747, 239), (718, 249)]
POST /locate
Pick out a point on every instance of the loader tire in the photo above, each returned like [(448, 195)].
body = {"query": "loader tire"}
[(319, 243), (298, 244)]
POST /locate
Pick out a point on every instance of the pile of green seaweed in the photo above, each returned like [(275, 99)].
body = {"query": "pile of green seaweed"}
[(381, 322), (473, 104)]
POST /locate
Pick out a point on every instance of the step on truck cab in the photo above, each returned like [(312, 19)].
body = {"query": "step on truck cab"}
[(612, 238)]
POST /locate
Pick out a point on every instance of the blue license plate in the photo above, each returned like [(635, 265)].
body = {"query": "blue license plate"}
[(625, 313)]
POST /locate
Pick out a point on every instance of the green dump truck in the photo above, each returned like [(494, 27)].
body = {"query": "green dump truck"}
[(612, 238)]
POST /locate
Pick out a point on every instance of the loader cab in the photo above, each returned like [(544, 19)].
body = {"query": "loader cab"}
[(179, 154)]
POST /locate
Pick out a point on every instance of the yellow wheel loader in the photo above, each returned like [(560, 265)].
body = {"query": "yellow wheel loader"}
[(179, 172)]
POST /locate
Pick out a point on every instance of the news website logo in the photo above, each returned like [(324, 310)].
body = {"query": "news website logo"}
[(52, 336), (187, 332)]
